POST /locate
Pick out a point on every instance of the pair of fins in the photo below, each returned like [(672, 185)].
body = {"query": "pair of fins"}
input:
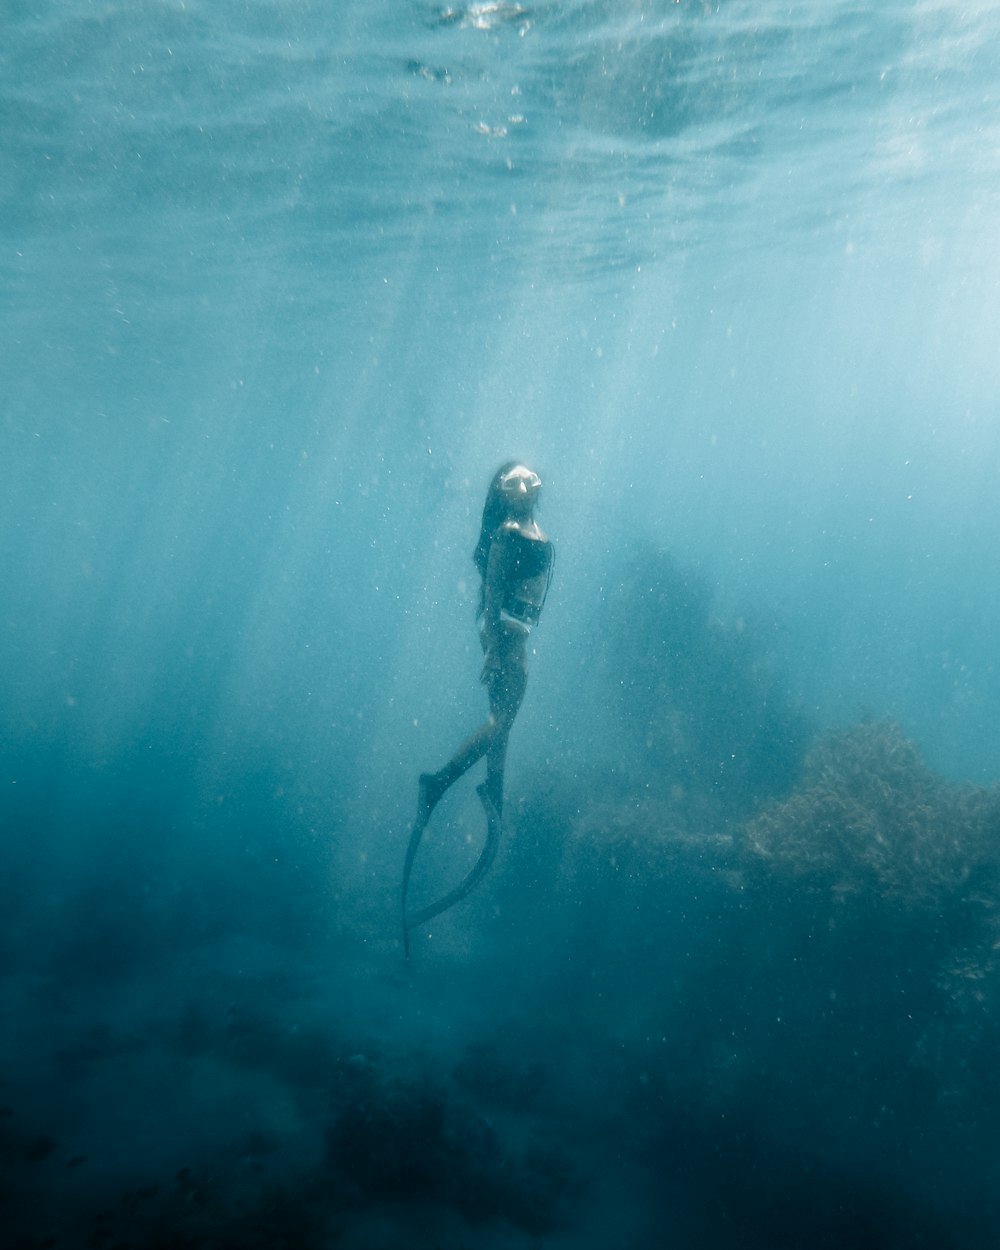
[(481, 868)]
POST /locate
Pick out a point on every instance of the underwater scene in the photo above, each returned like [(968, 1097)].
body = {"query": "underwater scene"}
[(499, 688)]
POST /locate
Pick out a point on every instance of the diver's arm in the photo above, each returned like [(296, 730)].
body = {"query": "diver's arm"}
[(495, 578)]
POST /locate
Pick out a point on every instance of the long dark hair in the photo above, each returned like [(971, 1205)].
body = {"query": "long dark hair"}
[(494, 515)]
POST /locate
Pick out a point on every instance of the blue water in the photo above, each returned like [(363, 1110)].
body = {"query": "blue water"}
[(282, 283)]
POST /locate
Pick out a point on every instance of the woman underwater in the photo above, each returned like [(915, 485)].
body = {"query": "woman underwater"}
[(515, 561)]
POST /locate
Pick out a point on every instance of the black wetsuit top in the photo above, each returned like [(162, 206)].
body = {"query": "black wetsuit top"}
[(526, 557), (527, 570)]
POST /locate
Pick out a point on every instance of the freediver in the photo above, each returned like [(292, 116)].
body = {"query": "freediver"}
[(515, 562)]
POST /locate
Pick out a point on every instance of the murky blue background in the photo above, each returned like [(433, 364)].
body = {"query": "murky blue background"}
[(281, 285)]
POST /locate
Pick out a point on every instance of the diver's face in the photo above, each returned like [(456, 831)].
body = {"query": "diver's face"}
[(520, 489)]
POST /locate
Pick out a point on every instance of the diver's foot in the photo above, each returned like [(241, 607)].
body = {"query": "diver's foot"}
[(493, 809), (429, 792)]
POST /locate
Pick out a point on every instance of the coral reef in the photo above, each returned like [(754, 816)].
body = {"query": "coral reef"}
[(901, 868), (816, 985), (870, 817)]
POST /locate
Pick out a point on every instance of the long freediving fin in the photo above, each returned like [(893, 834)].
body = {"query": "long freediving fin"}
[(481, 868), (416, 833), (427, 799)]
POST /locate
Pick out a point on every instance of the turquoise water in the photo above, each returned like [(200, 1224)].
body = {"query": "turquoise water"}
[(281, 285)]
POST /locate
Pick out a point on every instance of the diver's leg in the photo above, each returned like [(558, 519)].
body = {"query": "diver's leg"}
[(434, 785), (505, 686), (506, 690), (506, 696)]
